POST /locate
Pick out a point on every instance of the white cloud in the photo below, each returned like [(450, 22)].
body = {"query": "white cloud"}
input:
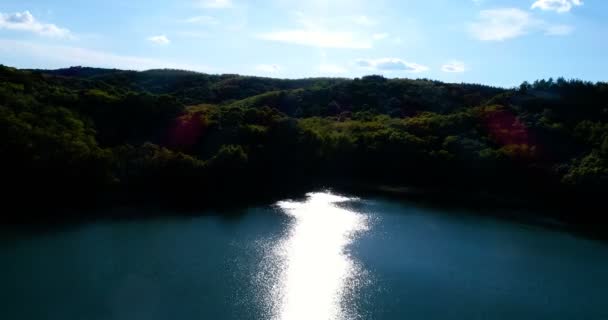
[(559, 30), (268, 68), (161, 40), (454, 67), (391, 64), (509, 23), (318, 38), (70, 56), (397, 41), (363, 21), (25, 21), (215, 4), (206, 20), (345, 32), (193, 34), (380, 36), (560, 6), (331, 69), (502, 24)]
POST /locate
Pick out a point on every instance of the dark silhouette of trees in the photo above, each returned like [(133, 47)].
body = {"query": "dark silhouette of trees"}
[(74, 134)]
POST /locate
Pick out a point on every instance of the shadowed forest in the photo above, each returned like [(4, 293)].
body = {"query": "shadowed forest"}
[(81, 136)]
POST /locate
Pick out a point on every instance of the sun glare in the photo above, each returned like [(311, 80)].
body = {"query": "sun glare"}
[(313, 272)]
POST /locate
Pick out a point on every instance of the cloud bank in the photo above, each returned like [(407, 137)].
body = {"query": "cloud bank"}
[(560, 6), (161, 40), (318, 38), (391, 64), (454, 67), (25, 21), (509, 23), (68, 55)]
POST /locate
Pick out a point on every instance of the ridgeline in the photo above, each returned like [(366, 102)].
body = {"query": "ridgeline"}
[(86, 136)]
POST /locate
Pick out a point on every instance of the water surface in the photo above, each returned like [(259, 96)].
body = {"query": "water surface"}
[(324, 256)]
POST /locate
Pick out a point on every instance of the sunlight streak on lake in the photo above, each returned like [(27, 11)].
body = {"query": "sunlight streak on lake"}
[(312, 274)]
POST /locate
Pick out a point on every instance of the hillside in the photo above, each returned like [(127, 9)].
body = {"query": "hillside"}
[(76, 135)]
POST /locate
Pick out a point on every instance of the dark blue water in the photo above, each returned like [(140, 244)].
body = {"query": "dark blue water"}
[(326, 257)]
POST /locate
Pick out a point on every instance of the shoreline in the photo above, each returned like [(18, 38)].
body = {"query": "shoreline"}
[(509, 207)]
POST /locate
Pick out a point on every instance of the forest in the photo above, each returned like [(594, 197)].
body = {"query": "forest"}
[(86, 136)]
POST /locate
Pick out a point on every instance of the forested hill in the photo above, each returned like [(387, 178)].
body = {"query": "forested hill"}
[(77, 134), (189, 87)]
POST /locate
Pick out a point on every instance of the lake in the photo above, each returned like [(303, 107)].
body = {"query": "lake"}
[(323, 256)]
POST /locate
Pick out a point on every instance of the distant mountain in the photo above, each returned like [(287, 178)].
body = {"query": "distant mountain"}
[(190, 87)]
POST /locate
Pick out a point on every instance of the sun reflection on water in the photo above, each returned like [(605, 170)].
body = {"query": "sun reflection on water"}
[(309, 273)]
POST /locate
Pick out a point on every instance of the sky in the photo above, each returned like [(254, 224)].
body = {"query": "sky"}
[(494, 42)]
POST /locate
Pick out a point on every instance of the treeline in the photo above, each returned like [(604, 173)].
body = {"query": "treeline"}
[(82, 135)]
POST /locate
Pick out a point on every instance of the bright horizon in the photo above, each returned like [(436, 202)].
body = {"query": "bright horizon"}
[(492, 42)]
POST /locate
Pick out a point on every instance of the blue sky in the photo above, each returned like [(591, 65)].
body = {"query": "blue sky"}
[(496, 42)]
